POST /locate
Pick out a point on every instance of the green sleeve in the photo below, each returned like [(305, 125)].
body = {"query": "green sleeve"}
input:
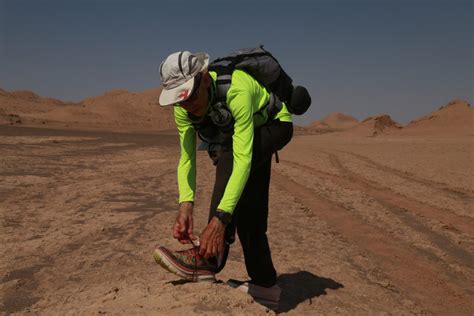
[(240, 99), (187, 161)]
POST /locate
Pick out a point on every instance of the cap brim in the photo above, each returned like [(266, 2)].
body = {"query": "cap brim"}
[(178, 94)]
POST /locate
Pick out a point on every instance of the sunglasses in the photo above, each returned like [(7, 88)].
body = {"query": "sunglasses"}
[(195, 93)]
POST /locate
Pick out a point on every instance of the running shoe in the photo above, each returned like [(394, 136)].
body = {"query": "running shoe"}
[(267, 296), (187, 264)]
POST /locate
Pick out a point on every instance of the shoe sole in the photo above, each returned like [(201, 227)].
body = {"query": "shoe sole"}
[(269, 304), (243, 287), (162, 258)]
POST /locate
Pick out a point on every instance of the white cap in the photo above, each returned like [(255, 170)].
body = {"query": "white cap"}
[(177, 74)]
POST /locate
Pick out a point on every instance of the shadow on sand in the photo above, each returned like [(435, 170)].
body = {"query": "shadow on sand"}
[(301, 286), (296, 288)]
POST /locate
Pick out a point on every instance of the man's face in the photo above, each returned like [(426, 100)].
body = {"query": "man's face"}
[(197, 103)]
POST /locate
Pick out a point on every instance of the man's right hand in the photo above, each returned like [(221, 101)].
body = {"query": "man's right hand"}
[(183, 227)]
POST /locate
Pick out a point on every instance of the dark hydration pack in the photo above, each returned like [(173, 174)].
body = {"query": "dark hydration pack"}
[(216, 128), (262, 66)]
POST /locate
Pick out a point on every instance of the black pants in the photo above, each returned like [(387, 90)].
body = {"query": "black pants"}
[(251, 213)]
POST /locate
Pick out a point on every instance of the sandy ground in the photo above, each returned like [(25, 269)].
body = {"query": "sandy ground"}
[(368, 225)]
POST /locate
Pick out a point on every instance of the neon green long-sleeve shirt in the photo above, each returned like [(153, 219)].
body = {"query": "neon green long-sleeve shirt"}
[(245, 98)]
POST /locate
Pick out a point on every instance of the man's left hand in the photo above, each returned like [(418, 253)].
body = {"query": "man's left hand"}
[(212, 239)]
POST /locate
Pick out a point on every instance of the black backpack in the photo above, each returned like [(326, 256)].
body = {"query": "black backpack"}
[(216, 129), (262, 66)]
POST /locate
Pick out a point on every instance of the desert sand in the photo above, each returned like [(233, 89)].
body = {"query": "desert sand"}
[(333, 122), (118, 110), (336, 120), (360, 222)]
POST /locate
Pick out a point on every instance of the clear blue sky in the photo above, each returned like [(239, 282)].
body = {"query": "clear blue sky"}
[(404, 58)]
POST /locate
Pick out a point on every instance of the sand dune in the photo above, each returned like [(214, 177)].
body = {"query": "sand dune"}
[(15, 107), (21, 102), (375, 125), (332, 122), (454, 118), (122, 110), (338, 120), (115, 110)]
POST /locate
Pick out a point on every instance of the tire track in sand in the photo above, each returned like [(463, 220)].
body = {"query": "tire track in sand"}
[(454, 222), (410, 212), (416, 275), (456, 193)]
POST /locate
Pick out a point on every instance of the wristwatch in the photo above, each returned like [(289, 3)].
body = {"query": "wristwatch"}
[(224, 217)]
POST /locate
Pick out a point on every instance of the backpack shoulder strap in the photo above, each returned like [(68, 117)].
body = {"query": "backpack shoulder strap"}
[(223, 81), (224, 68)]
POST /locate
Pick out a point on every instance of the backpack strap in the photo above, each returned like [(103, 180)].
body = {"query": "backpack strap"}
[(273, 106), (224, 68), (223, 80)]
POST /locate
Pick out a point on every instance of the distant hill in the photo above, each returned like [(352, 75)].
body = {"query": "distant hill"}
[(338, 120), (375, 125), (18, 107), (454, 118), (115, 110), (332, 122), (121, 110)]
